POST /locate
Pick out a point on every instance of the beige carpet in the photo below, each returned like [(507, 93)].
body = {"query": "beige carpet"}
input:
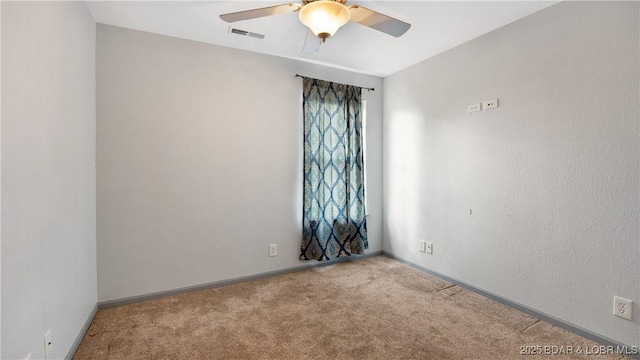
[(375, 308)]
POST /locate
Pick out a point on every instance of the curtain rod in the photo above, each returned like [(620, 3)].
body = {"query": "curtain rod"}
[(366, 88)]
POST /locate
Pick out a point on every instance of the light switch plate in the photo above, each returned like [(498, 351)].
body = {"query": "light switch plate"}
[(474, 107)]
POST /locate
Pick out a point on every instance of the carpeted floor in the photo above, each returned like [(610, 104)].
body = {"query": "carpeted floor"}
[(375, 308)]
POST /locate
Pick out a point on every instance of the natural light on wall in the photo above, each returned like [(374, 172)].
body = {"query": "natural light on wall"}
[(403, 170)]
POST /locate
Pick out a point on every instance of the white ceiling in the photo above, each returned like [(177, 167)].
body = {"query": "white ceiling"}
[(436, 27)]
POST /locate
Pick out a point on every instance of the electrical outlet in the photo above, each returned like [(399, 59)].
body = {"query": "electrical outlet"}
[(273, 250), (48, 344), (422, 245), (622, 307), (490, 104), (429, 248)]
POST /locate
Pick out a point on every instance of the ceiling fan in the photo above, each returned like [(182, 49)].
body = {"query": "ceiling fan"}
[(324, 18)]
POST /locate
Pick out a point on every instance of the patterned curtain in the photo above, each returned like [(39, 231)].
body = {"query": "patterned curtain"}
[(334, 223)]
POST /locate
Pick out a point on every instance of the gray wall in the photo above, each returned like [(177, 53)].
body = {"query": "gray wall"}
[(552, 175), (48, 175), (0, 182), (199, 161)]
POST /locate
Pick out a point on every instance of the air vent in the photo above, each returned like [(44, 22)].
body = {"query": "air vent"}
[(245, 33)]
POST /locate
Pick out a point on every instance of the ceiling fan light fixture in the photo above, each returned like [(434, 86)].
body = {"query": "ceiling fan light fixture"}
[(324, 17)]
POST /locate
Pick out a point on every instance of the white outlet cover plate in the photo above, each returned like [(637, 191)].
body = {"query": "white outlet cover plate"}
[(422, 245), (623, 308), (429, 248), (490, 104), (48, 344), (273, 250)]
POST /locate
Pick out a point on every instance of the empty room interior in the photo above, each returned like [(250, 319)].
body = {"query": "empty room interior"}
[(232, 180)]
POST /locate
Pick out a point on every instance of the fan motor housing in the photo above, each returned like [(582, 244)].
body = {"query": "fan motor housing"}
[(310, 1)]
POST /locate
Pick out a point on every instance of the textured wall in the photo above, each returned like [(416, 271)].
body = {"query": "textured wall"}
[(199, 158), (0, 186), (48, 175), (552, 175)]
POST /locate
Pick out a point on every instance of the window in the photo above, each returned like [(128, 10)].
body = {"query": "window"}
[(363, 115), (334, 223)]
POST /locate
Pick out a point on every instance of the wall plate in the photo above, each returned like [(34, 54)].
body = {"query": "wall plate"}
[(48, 344), (490, 104), (474, 107), (273, 250), (623, 308)]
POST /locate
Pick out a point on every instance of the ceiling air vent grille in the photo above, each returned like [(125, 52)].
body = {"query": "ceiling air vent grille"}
[(245, 33)]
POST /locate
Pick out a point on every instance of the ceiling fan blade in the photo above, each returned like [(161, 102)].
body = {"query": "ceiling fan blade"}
[(261, 12), (311, 43), (380, 22)]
